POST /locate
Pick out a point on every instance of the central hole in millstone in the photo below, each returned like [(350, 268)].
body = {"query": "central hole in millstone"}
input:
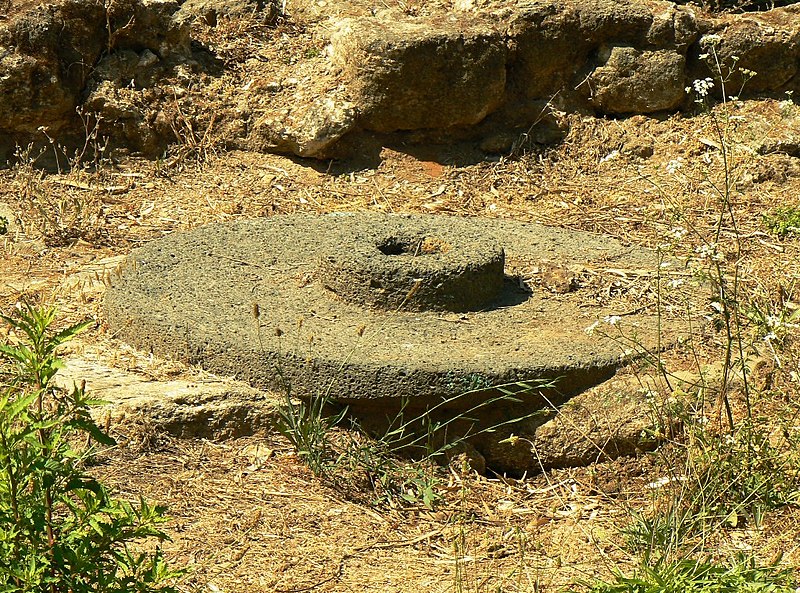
[(413, 246)]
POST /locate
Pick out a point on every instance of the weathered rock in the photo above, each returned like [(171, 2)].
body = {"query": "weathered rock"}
[(255, 300), (411, 73), (633, 81), (45, 58), (610, 21), (148, 24), (212, 10), (673, 27), (49, 53), (210, 407), (473, 74), (767, 44), (616, 418), (546, 50), (121, 113), (307, 128)]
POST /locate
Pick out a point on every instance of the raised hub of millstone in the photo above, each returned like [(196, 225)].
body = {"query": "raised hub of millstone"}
[(415, 271), (337, 312)]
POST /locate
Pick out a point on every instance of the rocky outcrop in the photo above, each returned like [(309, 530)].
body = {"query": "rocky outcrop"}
[(633, 81), (766, 44), (474, 73), (54, 55), (492, 75), (209, 408), (211, 11)]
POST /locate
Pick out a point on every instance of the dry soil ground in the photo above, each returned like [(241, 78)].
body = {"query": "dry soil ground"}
[(247, 515)]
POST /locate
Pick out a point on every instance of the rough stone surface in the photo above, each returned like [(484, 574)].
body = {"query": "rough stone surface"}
[(192, 296), (51, 54), (608, 421), (633, 81), (306, 129), (45, 58), (477, 74), (673, 27), (209, 408), (212, 10), (605, 422), (448, 272), (766, 43), (413, 73)]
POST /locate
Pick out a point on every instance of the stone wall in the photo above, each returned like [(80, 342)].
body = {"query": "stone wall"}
[(462, 74)]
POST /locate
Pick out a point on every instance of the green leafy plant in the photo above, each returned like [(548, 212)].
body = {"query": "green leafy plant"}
[(706, 576), (61, 530), (783, 221)]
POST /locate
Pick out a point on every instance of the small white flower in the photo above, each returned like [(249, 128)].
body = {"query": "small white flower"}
[(703, 86), (659, 483), (769, 337), (590, 330), (676, 282), (674, 165), (612, 319), (610, 156), (710, 251), (663, 481), (711, 40), (678, 232)]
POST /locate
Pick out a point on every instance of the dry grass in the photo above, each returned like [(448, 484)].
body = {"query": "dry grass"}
[(248, 516)]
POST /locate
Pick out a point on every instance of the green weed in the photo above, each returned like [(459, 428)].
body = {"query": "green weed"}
[(706, 576), (783, 221), (729, 473), (61, 530), (399, 464)]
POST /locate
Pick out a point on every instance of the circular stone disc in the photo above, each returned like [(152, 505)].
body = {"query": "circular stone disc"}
[(195, 296)]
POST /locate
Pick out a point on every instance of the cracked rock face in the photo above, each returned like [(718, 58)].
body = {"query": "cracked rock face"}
[(633, 81), (476, 73), (414, 74)]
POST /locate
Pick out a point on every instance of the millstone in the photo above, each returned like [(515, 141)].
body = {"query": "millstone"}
[(371, 308)]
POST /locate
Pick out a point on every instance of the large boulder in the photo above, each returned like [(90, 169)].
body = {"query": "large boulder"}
[(634, 81), (556, 46), (414, 73), (53, 56), (46, 55), (767, 44)]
